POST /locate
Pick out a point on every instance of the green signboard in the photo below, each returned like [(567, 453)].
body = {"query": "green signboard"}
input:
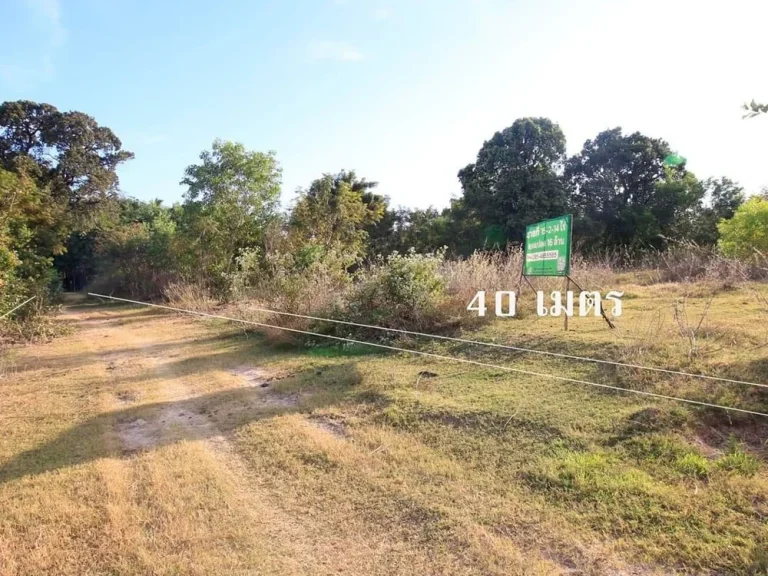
[(548, 247)]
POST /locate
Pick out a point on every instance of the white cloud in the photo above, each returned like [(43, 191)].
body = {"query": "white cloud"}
[(330, 50), (381, 14)]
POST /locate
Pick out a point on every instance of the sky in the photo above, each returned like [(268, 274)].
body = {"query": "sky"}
[(404, 92)]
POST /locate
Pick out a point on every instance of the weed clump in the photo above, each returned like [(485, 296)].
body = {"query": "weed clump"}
[(738, 461)]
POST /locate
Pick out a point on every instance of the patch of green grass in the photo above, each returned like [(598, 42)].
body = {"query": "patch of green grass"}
[(739, 462), (692, 465), (659, 518)]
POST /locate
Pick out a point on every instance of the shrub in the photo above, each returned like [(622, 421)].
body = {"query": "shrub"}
[(189, 296), (403, 291), (309, 279), (746, 234), (136, 259)]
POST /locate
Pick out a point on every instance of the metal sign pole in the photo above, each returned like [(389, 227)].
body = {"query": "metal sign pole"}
[(602, 310)]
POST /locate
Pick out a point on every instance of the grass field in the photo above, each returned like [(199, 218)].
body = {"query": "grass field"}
[(149, 443)]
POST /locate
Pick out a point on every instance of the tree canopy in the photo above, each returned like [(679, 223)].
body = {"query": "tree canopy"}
[(516, 177), (231, 197), (67, 151), (64, 222), (336, 211), (746, 234)]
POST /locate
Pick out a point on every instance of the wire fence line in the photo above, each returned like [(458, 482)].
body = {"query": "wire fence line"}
[(438, 356), (19, 306), (515, 348)]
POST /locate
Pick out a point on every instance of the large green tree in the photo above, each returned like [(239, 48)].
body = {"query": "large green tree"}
[(516, 178), (621, 192), (71, 160), (67, 151), (335, 213), (746, 234), (232, 196)]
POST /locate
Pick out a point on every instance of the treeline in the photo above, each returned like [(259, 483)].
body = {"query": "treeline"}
[(64, 224)]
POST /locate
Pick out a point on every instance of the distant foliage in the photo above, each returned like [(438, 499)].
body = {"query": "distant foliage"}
[(136, 253), (746, 234), (341, 247)]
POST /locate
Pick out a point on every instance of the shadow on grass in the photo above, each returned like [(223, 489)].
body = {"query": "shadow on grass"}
[(81, 358), (144, 427)]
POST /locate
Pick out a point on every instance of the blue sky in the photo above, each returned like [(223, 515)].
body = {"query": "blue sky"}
[(404, 92)]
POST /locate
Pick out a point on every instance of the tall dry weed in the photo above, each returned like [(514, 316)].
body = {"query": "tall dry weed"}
[(190, 296)]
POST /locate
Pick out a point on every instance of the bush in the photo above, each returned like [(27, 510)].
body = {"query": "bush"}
[(404, 291), (692, 465), (309, 280), (136, 259), (746, 234)]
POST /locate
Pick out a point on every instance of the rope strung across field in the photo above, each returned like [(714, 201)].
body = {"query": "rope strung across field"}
[(438, 356), (516, 348), (19, 306)]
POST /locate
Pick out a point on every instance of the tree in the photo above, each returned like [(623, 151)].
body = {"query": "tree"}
[(72, 162), (67, 151), (335, 212), (516, 177), (746, 234), (403, 229), (232, 196), (622, 193), (135, 254), (30, 234), (720, 199)]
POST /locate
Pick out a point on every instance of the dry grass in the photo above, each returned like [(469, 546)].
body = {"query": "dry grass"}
[(189, 296), (147, 443)]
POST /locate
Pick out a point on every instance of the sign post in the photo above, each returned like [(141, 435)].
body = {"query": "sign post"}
[(548, 247), (548, 253)]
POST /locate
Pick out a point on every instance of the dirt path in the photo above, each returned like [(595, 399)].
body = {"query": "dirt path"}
[(127, 423), (147, 443), (120, 455)]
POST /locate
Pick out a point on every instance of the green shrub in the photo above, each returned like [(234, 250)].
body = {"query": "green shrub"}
[(403, 291), (746, 234)]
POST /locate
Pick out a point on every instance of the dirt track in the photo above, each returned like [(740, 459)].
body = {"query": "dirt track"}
[(136, 413)]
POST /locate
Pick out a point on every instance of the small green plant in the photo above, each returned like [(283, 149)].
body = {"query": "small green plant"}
[(692, 465), (738, 461)]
